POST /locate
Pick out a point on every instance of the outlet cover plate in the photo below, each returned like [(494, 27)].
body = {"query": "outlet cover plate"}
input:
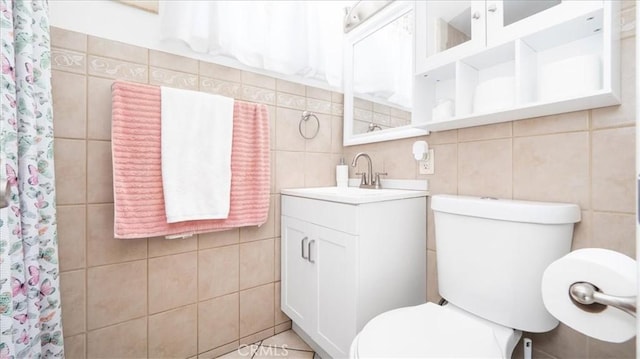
[(426, 167)]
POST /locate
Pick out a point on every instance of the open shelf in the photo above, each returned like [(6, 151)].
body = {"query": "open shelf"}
[(568, 67)]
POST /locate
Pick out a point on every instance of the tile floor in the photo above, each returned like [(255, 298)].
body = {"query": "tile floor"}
[(284, 345)]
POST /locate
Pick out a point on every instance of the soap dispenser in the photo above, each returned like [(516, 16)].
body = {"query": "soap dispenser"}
[(342, 174)]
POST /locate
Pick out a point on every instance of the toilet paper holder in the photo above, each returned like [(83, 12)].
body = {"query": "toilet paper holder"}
[(588, 294)]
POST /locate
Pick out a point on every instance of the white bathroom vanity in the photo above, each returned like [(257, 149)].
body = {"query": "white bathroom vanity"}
[(349, 254)]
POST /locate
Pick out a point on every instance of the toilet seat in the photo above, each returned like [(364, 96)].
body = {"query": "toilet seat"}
[(429, 330)]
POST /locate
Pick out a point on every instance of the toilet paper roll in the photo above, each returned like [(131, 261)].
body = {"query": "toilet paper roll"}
[(443, 111), (570, 77), (611, 272), (495, 94)]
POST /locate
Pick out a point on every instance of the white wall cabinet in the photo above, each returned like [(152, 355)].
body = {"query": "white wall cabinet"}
[(482, 62), (342, 264)]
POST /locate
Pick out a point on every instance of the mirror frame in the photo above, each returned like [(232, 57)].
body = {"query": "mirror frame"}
[(384, 17)]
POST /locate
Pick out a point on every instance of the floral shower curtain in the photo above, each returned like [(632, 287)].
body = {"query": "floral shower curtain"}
[(30, 322)]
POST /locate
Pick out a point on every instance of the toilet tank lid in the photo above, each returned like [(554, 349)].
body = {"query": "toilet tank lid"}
[(507, 210)]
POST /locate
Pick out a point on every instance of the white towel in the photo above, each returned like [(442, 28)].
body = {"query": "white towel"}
[(197, 130)]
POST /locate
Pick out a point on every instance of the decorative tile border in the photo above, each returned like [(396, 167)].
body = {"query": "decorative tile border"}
[(173, 78), (67, 60), (337, 109), (291, 101), (116, 69), (320, 106), (362, 115), (256, 94), (220, 87)]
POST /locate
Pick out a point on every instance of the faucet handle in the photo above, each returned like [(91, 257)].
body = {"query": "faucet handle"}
[(363, 180), (378, 174)]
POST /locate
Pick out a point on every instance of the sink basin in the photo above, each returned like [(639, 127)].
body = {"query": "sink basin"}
[(353, 195)]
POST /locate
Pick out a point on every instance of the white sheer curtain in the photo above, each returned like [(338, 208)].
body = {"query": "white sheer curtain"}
[(290, 37)]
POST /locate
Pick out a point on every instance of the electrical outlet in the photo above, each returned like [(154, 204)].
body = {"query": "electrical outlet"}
[(427, 166)]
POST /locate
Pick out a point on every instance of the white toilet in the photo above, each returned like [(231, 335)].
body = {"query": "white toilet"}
[(490, 255)]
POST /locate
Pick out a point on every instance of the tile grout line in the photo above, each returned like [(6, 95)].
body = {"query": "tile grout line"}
[(259, 344), (146, 254), (86, 211)]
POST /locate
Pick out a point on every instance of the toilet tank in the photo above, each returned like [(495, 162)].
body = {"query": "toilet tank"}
[(491, 254)]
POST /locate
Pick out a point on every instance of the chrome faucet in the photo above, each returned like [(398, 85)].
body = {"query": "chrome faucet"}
[(367, 181)]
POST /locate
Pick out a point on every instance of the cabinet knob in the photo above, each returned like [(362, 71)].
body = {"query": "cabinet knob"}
[(492, 8), (476, 15)]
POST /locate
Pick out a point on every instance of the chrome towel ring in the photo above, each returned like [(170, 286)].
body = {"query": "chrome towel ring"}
[(305, 117)]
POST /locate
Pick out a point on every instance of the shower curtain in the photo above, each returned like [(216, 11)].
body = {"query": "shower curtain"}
[(30, 322)]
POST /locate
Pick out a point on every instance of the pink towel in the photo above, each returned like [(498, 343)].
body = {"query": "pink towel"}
[(137, 176)]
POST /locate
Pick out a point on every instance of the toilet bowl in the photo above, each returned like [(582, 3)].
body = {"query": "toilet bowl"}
[(432, 331), (491, 255)]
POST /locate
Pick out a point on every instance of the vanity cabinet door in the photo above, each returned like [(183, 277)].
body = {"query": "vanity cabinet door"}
[(298, 274), (512, 19), (335, 258), (319, 283)]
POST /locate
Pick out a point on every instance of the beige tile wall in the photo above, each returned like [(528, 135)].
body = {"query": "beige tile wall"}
[(151, 297), (204, 295), (585, 157)]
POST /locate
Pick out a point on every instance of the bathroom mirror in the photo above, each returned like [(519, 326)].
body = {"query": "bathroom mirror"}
[(378, 77)]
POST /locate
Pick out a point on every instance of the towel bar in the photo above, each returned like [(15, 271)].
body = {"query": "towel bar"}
[(305, 117)]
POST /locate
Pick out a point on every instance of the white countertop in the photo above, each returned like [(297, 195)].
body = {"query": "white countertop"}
[(354, 195)]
